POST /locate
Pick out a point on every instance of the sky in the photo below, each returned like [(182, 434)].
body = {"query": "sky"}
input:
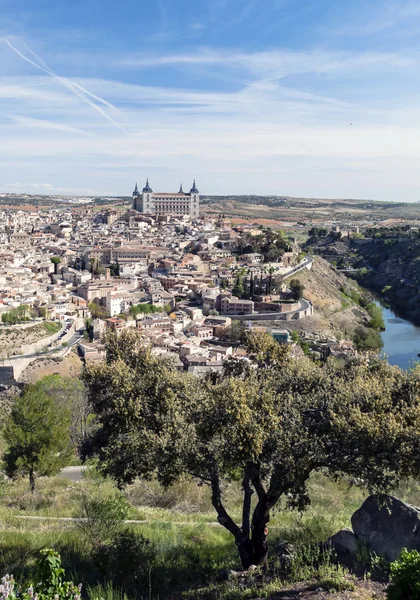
[(315, 98)]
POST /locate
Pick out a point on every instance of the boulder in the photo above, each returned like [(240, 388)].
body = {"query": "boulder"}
[(387, 525), (345, 545)]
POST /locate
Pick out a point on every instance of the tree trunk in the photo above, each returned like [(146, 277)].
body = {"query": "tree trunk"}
[(32, 480), (246, 553)]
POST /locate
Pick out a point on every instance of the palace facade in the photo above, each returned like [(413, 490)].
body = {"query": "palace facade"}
[(167, 203)]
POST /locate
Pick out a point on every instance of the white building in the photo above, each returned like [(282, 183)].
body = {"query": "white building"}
[(164, 203)]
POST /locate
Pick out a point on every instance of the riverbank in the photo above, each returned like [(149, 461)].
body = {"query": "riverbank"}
[(401, 339)]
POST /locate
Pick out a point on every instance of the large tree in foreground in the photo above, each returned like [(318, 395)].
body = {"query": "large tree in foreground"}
[(270, 426), (37, 434)]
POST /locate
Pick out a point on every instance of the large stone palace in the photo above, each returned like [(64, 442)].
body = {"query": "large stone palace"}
[(167, 203)]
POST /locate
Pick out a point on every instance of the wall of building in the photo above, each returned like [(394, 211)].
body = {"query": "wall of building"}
[(305, 310)]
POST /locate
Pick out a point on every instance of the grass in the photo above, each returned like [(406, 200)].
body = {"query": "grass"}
[(51, 327), (188, 553)]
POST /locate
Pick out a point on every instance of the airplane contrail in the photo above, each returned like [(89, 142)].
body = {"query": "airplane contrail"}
[(70, 85), (81, 88)]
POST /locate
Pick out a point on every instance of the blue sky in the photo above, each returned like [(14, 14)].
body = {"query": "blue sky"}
[(297, 97)]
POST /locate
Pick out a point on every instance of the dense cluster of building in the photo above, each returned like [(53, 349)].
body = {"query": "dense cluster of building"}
[(160, 254)]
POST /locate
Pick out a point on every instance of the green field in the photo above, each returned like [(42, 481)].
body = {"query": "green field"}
[(187, 549)]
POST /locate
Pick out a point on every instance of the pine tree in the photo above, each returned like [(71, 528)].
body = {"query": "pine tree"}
[(37, 434)]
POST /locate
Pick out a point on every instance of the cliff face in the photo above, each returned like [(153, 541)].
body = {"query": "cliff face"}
[(392, 267), (335, 313)]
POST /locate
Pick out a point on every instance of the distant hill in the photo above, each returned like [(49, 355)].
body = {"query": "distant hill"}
[(309, 210)]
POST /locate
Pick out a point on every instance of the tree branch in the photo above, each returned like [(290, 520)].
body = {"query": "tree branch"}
[(222, 515), (246, 508), (256, 482)]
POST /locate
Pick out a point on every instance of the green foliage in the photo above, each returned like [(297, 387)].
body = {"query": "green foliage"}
[(51, 327), (127, 561), (144, 309), (114, 269), (269, 427), (119, 554), (352, 294), (49, 577), (367, 339), (295, 335), (318, 232), (16, 315), (271, 244), (297, 288), (97, 311), (405, 577), (236, 331), (49, 581), (56, 260), (315, 562), (68, 394), (238, 289), (100, 520), (376, 316), (37, 434)]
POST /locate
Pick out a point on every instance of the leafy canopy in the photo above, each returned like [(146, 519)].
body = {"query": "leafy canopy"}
[(269, 423), (37, 434)]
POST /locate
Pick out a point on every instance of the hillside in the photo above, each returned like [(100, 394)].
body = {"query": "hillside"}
[(306, 210), (335, 313), (70, 366), (391, 267), (12, 338)]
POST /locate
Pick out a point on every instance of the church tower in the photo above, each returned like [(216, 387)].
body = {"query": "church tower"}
[(135, 196), (194, 201)]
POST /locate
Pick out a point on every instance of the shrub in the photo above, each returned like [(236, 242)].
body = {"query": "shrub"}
[(127, 561), (367, 339), (101, 520), (49, 578), (405, 576)]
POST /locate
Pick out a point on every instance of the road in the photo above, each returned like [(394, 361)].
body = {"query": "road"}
[(75, 338), (302, 265), (73, 473)]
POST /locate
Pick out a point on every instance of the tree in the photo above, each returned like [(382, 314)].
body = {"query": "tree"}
[(37, 434), (270, 427), (238, 289), (97, 311), (376, 316), (56, 260), (271, 270), (69, 393), (144, 309), (297, 288), (114, 269), (367, 339), (16, 315)]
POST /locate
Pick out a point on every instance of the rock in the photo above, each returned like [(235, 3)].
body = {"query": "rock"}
[(387, 525), (345, 545)]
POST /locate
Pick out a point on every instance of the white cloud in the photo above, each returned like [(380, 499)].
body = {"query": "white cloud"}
[(277, 63), (28, 122), (300, 140), (81, 92)]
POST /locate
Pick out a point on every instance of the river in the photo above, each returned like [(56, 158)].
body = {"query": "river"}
[(401, 340)]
